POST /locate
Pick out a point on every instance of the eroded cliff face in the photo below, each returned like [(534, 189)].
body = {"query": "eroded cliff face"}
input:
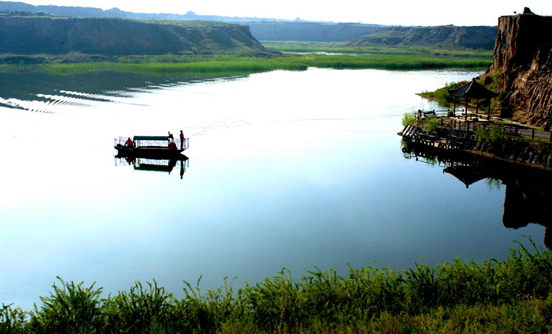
[(480, 37), (523, 61), (120, 37)]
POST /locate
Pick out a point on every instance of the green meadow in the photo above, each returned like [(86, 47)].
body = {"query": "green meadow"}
[(171, 64), (314, 47), (508, 296)]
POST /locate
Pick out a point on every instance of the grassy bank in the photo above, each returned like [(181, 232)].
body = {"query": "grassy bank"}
[(514, 295), (314, 47), (443, 97), (244, 65), (229, 65), (180, 65)]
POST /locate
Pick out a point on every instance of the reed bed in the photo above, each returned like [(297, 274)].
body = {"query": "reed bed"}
[(243, 65), (343, 48), (513, 295), (219, 65), (393, 62)]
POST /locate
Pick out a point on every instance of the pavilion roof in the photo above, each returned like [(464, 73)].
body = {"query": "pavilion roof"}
[(465, 174), (472, 90)]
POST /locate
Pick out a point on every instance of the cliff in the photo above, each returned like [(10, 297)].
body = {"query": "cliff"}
[(26, 35), (523, 65), (261, 28), (449, 37)]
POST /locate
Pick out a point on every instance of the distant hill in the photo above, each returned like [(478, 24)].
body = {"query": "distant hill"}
[(479, 37), (261, 28), (72, 11), (106, 36)]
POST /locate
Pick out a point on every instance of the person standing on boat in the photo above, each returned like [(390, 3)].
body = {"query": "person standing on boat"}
[(129, 142), (170, 137), (181, 140)]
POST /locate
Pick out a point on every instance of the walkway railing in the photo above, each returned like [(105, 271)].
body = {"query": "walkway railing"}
[(474, 122)]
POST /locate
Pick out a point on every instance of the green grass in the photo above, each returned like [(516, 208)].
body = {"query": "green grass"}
[(313, 47), (409, 118), (443, 97), (170, 64), (179, 65), (255, 65), (513, 295)]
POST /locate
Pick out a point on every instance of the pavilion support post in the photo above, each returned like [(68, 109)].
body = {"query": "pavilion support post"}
[(454, 107), (472, 90), (466, 111)]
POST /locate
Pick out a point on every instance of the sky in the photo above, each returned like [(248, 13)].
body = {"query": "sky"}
[(388, 12)]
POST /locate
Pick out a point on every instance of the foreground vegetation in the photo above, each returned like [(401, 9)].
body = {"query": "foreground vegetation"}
[(514, 295)]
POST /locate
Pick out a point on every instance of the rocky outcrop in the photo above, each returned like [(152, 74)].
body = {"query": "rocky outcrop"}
[(516, 150), (523, 64), (119, 37)]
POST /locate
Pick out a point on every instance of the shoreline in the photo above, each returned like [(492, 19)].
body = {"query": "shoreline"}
[(456, 295)]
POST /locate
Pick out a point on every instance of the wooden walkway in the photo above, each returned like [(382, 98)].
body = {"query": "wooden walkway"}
[(452, 141), (478, 121)]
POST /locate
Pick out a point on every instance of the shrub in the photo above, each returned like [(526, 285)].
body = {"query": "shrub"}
[(71, 308), (431, 124), (12, 320), (409, 118)]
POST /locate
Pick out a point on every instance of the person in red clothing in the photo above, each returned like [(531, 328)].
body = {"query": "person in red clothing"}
[(181, 140), (129, 142)]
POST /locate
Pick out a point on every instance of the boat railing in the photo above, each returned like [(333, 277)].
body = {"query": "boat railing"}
[(160, 163), (153, 142), (186, 143), (151, 164)]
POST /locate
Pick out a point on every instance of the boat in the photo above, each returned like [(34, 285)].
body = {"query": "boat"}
[(150, 146)]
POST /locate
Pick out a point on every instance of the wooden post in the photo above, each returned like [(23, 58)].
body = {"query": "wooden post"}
[(454, 107), (466, 115), (532, 134)]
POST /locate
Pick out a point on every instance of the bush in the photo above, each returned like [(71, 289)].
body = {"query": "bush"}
[(409, 118), (70, 308), (431, 124), (12, 320)]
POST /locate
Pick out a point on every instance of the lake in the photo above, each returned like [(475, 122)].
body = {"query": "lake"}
[(286, 169)]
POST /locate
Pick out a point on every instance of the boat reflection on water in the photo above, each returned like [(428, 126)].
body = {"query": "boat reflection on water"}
[(528, 191), (151, 164)]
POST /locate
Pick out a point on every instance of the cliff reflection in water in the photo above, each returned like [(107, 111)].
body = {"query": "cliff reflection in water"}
[(528, 191), (154, 164)]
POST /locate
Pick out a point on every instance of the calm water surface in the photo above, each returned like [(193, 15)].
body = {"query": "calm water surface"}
[(286, 169)]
